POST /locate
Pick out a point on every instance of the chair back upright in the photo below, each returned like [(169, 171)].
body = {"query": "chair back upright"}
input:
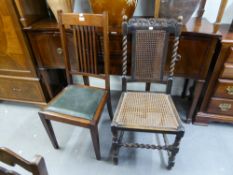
[(36, 167), (85, 44), (150, 43)]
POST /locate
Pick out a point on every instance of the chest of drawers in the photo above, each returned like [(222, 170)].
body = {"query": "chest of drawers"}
[(217, 104)]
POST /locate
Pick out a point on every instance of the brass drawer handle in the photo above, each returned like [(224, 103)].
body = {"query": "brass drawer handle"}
[(16, 89), (225, 106), (229, 90), (59, 51)]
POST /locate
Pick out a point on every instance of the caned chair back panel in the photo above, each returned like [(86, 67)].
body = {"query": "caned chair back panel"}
[(148, 54), (150, 39), (149, 46), (36, 167), (85, 44)]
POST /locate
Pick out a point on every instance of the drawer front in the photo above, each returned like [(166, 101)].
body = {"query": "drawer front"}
[(227, 71), (220, 106), (224, 88), (22, 90), (47, 49), (230, 57)]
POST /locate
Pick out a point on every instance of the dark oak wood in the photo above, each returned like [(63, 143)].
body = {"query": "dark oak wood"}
[(36, 167), (201, 8), (140, 61), (217, 102), (81, 30)]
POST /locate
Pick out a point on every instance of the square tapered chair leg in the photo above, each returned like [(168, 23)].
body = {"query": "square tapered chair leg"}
[(95, 140), (49, 129)]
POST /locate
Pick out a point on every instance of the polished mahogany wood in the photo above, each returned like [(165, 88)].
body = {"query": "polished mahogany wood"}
[(197, 45), (227, 71), (49, 54), (212, 107), (230, 57), (220, 106), (224, 89)]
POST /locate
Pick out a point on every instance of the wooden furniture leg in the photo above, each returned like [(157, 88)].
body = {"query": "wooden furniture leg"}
[(45, 78), (157, 8), (186, 82), (175, 150), (148, 86), (86, 80), (95, 140), (109, 106), (201, 9), (197, 93), (115, 145), (49, 129), (221, 11)]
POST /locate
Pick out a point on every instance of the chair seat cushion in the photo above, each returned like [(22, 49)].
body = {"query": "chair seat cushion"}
[(146, 110), (77, 101)]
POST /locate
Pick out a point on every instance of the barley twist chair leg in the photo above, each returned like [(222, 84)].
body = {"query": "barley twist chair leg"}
[(49, 129), (95, 141), (174, 150), (115, 146)]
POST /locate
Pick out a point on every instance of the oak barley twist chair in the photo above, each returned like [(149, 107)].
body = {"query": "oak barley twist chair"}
[(36, 166), (148, 111), (85, 45)]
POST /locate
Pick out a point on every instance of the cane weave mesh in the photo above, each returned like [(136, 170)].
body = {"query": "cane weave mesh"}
[(149, 54), (146, 111)]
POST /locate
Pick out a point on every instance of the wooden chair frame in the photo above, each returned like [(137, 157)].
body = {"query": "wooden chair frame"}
[(201, 9), (36, 167), (118, 130), (66, 20), (221, 10)]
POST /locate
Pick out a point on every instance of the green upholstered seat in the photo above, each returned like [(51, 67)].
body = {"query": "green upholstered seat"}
[(77, 101)]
